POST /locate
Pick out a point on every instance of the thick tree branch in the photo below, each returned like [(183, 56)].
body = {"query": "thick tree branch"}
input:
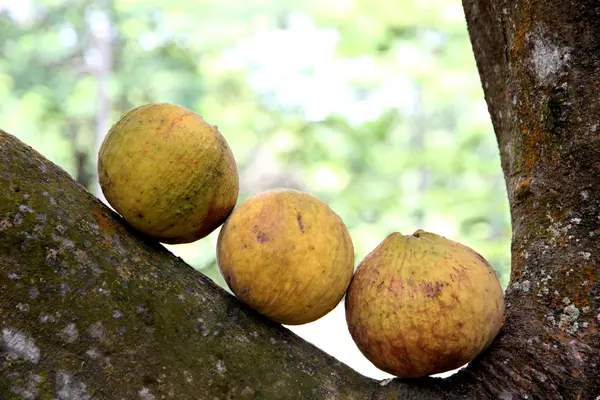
[(91, 309), (89, 306)]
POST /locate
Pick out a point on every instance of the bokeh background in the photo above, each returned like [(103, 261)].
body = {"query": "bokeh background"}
[(373, 106)]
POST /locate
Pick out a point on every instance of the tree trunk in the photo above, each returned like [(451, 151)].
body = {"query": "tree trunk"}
[(539, 62), (92, 310)]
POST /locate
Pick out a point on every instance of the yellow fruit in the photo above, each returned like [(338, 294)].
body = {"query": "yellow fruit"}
[(287, 255), (422, 304), (169, 173)]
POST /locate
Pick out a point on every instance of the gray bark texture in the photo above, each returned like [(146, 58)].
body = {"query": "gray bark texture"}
[(91, 309)]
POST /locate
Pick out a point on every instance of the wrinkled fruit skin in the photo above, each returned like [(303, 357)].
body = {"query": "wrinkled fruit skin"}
[(169, 173), (422, 304), (287, 255)]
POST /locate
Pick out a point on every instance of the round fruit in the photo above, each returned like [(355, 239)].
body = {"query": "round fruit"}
[(287, 255), (169, 173), (422, 304)]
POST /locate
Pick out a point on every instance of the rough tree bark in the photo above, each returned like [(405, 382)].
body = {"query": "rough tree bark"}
[(539, 62), (90, 309)]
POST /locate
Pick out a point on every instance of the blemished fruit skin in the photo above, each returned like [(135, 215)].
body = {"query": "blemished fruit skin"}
[(287, 255), (422, 304), (168, 172)]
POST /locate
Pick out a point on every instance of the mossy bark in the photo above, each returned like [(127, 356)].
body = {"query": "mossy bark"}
[(92, 310)]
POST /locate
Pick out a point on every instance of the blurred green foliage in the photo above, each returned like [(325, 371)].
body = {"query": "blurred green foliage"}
[(375, 107)]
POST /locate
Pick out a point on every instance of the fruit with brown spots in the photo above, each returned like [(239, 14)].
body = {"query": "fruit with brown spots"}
[(286, 254), (422, 304), (168, 172)]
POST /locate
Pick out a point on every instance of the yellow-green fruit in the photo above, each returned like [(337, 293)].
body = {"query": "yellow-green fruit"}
[(287, 255), (168, 172), (422, 304)]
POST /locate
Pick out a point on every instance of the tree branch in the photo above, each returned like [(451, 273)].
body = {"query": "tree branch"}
[(91, 309), (88, 306)]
